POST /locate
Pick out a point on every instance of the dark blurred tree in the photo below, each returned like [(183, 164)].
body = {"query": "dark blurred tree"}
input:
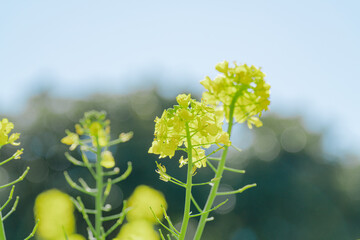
[(298, 194)]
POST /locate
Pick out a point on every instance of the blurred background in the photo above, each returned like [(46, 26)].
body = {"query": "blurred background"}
[(131, 59)]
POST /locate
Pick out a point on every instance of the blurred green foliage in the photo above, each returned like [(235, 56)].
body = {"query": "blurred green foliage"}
[(302, 193)]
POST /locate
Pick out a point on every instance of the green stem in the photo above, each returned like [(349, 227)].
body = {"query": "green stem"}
[(188, 187), (2, 230), (219, 172), (98, 197)]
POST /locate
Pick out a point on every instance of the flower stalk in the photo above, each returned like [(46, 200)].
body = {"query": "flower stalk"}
[(218, 175), (5, 138), (240, 95), (93, 137), (99, 192), (188, 186)]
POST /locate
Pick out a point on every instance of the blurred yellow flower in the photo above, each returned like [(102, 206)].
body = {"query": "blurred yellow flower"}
[(140, 202), (137, 230), (56, 213), (74, 237)]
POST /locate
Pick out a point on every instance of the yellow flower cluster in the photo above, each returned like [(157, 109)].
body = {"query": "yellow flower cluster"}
[(97, 127), (56, 213), (5, 129), (243, 86), (141, 220), (202, 121)]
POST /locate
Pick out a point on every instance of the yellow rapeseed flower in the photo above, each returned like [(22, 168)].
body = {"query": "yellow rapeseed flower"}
[(203, 122), (244, 83)]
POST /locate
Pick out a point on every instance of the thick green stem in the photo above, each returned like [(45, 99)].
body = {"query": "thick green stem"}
[(188, 187), (2, 230), (218, 175), (99, 196)]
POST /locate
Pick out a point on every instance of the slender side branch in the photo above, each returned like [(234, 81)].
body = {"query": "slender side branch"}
[(237, 191), (236, 148), (85, 216), (167, 218), (196, 204), (17, 180), (210, 210), (32, 234), (120, 220), (9, 198), (113, 172), (74, 160), (234, 170), (77, 187), (12, 209), (88, 164), (124, 175), (163, 225)]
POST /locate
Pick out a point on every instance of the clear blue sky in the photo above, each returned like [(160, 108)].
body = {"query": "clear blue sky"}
[(308, 49)]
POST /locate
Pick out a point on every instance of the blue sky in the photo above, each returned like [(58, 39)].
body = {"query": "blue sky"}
[(308, 49)]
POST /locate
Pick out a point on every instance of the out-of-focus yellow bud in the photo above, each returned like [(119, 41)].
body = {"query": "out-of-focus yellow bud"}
[(55, 210), (140, 202), (137, 230), (107, 159), (73, 237)]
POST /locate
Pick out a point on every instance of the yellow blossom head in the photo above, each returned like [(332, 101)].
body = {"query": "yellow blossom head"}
[(243, 87), (142, 199), (55, 211), (204, 124), (202, 120)]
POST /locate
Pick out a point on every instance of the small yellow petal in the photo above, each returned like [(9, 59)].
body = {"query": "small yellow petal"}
[(124, 137), (107, 160)]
